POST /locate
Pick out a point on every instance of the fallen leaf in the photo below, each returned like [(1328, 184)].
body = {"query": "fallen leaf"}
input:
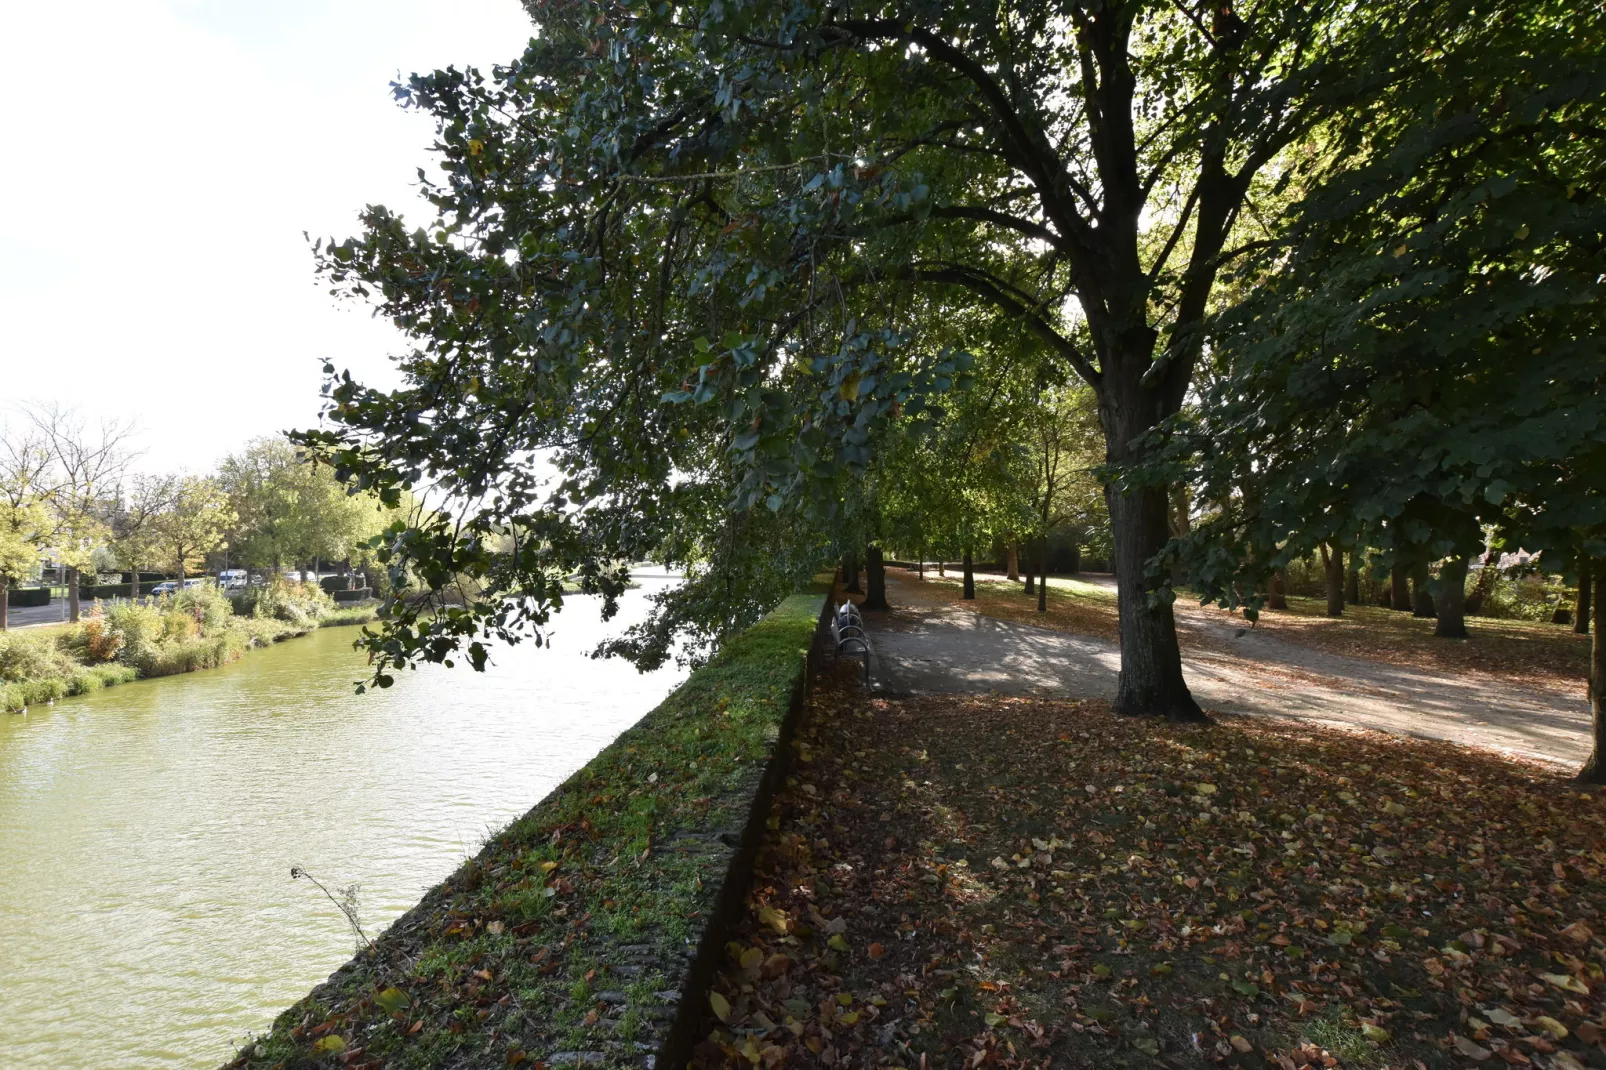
[(721, 1005), (1471, 1049)]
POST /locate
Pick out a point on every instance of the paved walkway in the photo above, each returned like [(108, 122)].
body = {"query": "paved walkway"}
[(929, 644)]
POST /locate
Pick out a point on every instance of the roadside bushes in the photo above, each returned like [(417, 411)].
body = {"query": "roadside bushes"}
[(299, 604), (197, 629), (36, 669)]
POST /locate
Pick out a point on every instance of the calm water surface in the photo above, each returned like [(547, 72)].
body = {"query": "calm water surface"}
[(147, 915)]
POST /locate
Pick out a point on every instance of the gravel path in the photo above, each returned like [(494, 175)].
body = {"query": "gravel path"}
[(929, 644)]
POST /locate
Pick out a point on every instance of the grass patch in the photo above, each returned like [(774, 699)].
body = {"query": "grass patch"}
[(964, 880), (567, 929)]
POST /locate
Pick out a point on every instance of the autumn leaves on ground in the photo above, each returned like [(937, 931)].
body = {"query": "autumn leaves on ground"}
[(969, 881)]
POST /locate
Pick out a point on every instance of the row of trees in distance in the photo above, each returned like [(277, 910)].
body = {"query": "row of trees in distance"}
[(69, 495)]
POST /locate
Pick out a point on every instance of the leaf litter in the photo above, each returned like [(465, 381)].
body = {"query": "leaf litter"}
[(967, 881)]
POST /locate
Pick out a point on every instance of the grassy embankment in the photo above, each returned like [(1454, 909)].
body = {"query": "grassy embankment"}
[(569, 929), (1529, 653), (199, 629)]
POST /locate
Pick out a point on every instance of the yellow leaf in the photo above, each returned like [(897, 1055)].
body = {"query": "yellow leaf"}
[(838, 943), (1566, 982), (1375, 1033), (1206, 789), (848, 1018), (1556, 1030), (751, 958), (721, 1005), (333, 1044)]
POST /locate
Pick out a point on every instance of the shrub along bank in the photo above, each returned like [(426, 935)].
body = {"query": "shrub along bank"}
[(586, 931), (198, 629)]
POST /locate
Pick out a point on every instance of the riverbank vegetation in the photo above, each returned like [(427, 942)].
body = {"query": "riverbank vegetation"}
[(197, 629), (571, 931), (71, 506)]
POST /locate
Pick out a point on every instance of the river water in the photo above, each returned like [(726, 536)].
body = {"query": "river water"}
[(147, 913)]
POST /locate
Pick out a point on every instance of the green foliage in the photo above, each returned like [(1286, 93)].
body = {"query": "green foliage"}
[(287, 509), (29, 657), (300, 604), (1421, 360), (704, 258)]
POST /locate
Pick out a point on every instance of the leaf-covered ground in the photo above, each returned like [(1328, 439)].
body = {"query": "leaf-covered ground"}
[(965, 881), (1529, 653)]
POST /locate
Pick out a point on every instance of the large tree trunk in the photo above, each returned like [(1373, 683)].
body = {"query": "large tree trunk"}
[(1031, 585), (1333, 567), (1013, 563), (1399, 588), (970, 577), (1452, 600), (1581, 618), (1076, 557), (850, 572), (1352, 582), (1594, 771), (1151, 660), (875, 575), (5, 595), (1277, 597), (133, 583), (73, 606), (1422, 598)]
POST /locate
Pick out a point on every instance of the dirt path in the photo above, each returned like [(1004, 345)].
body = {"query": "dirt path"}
[(929, 644)]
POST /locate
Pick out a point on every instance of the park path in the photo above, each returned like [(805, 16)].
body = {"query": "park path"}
[(929, 644)]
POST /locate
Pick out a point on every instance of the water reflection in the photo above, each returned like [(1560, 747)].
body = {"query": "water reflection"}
[(147, 915)]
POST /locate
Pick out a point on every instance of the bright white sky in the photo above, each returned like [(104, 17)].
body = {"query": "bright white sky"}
[(160, 161)]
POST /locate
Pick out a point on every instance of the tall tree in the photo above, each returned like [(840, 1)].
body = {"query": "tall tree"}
[(193, 523), (751, 209), (80, 484), (26, 527)]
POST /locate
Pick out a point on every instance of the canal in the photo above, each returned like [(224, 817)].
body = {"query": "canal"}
[(147, 913)]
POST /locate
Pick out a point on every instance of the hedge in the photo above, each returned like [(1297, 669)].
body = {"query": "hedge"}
[(28, 596)]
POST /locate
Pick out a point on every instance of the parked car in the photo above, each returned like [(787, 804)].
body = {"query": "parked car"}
[(233, 579), (166, 587)]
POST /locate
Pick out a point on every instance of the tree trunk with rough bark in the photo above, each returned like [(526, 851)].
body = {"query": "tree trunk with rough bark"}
[(1352, 583), (970, 577), (1594, 771), (875, 575), (5, 596), (73, 605), (1076, 558), (133, 583), (1150, 682), (1333, 567), (1042, 575), (1399, 588), (850, 571), (1013, 562), (1452, 600), (1422, 598), (1581, 617), (1031, 584), (1277, 597)]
